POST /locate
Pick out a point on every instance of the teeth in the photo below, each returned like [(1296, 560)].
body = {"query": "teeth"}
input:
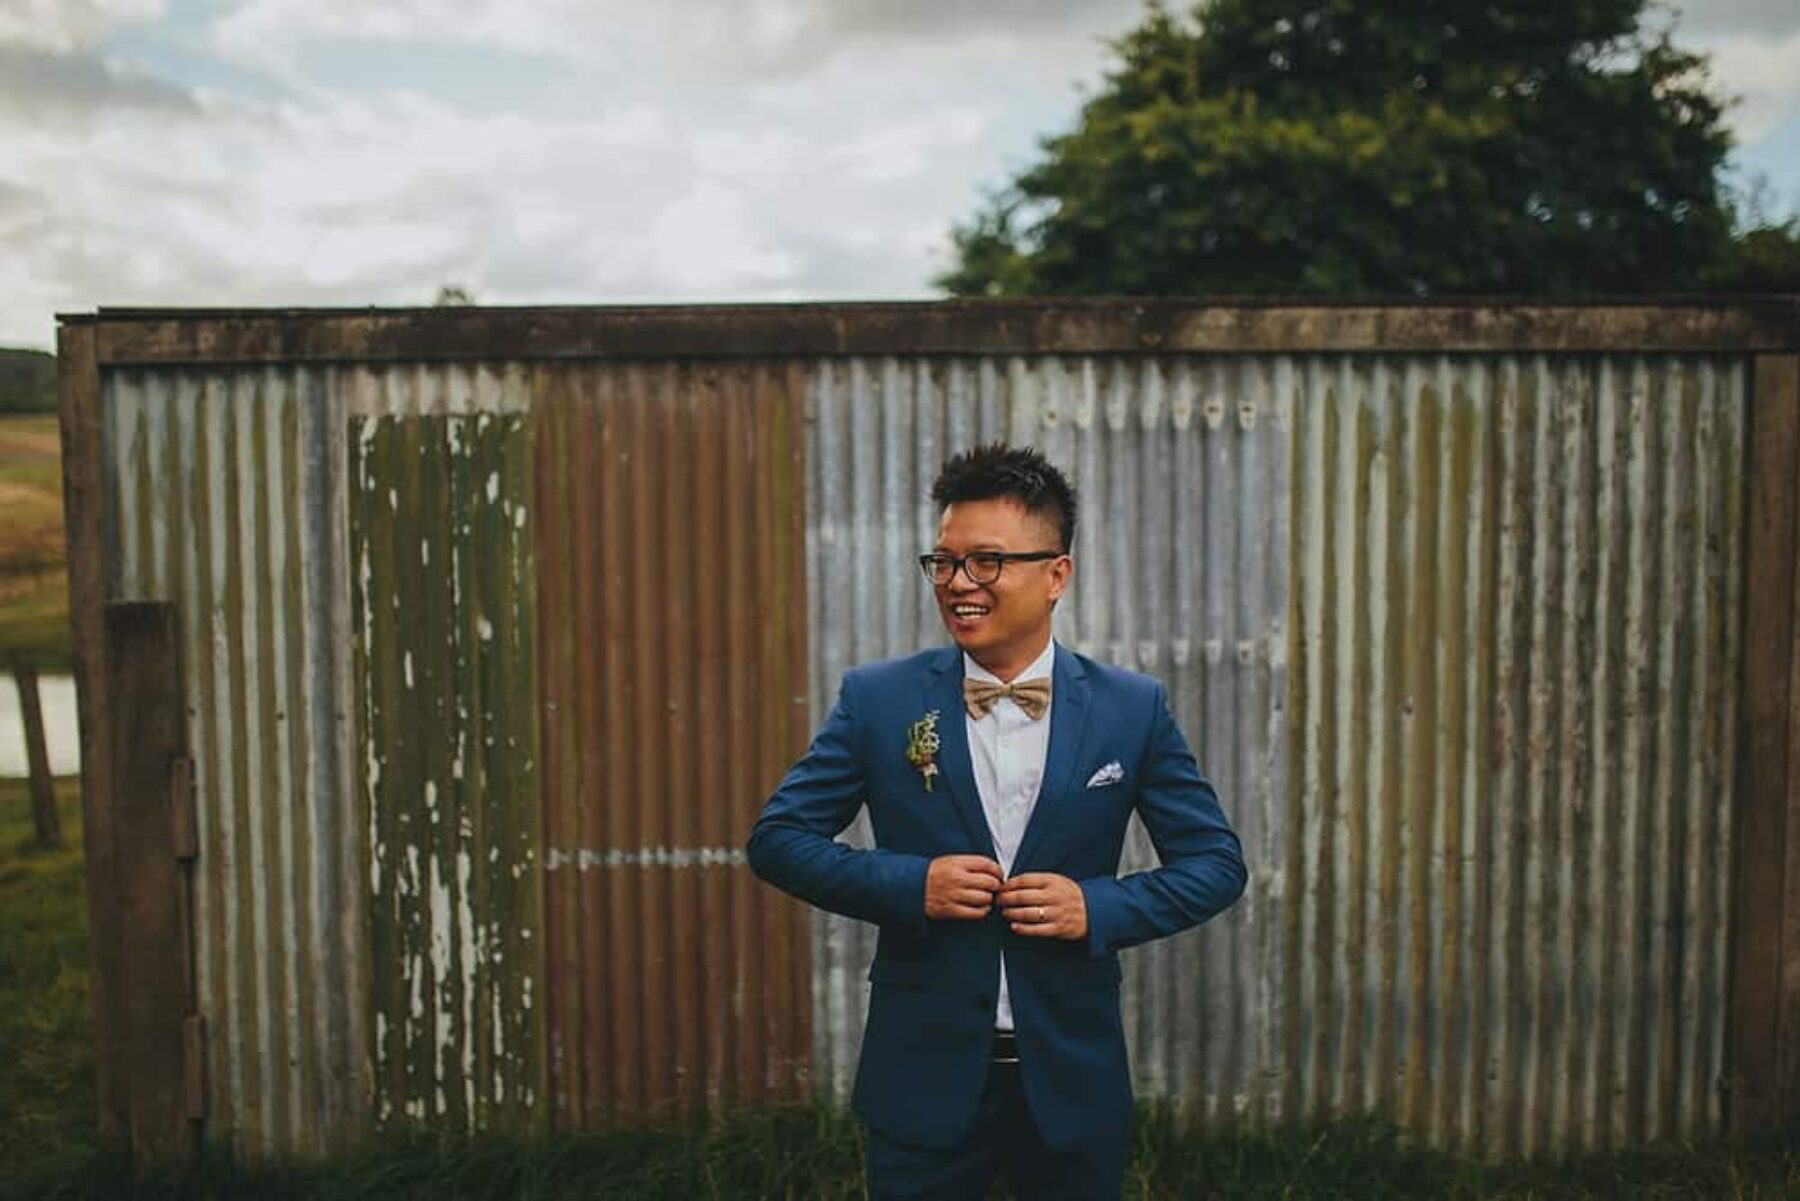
[(967, 610)]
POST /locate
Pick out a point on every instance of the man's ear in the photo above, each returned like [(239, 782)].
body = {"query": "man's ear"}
[(1062, 573)]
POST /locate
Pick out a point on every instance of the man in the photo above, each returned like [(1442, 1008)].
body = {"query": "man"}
[(999, 776)]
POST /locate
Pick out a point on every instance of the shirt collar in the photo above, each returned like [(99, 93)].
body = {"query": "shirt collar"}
[(1043, 665)]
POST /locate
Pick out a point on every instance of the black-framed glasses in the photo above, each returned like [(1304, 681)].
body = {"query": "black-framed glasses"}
[(981, 566)]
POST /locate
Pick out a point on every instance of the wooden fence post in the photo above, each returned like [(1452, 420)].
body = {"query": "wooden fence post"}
[(44, 817), (1762, 1056), (84, 514), (148, 756)]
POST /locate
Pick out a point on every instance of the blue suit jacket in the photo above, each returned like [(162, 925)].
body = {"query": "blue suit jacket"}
[(926, 1047)]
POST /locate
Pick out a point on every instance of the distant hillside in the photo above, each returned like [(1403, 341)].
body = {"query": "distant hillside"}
[(27, 381)]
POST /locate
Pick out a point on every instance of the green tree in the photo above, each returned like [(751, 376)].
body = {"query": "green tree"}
[(27, 381), (1765, 250), (1763, 258), (1339, 146)]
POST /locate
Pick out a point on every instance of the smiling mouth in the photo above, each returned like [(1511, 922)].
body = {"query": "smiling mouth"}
[(965, 612)]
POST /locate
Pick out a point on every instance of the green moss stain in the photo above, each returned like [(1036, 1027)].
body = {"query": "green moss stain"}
[(444, 577)]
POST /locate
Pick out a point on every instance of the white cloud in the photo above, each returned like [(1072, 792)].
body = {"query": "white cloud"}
[(710, 241), (681, 177), (40, 85), (1763, 73), (681, 39), (368, 151), (66, 25), (1708, 17)]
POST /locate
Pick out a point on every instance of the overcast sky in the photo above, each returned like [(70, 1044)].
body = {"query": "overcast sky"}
[(306, 152)]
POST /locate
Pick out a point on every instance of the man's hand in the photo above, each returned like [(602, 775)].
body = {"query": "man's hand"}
[(1044, 905), (961, 887)]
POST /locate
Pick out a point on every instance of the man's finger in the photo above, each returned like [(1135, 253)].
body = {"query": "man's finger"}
[(1036, 880), (955, 905), (1027, 898)]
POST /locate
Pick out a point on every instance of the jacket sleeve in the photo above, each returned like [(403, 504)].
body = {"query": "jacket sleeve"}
[(1202, 868), (792, 845)]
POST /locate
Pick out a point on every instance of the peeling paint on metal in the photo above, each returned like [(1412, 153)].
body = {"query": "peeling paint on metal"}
[(446, 708)]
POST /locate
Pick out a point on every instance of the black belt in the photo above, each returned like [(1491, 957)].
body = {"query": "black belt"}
[(1006, 1047)]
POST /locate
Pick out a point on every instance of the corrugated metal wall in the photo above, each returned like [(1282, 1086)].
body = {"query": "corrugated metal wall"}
[(491, 666), (1518, 597), (1454, 635), (673, 664), (1487, 816), (441, 507), (226, 497)]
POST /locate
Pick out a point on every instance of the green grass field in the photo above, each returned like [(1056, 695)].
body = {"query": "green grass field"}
[(48, 1148), (46, 1081), (34, 599)]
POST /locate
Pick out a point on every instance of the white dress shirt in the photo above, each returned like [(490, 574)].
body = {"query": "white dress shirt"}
[(1007, 750)]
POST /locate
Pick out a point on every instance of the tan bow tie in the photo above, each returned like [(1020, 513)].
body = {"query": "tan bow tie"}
[(1033, 696)]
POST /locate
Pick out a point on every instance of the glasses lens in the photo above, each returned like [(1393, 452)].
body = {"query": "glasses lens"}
[(984, 568), (937, 568)]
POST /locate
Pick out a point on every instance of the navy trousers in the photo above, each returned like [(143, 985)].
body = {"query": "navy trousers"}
[(1002, 1140)]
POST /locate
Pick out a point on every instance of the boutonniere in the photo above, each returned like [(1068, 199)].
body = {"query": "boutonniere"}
[(922, 746)]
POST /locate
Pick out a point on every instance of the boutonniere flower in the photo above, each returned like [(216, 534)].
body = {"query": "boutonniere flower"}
[(922, 746)]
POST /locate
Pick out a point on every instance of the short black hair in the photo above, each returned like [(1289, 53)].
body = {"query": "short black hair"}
[(1020, 472)]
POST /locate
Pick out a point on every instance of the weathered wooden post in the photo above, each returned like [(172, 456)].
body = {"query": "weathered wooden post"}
[(153, 852), (1762, 1063), (44, 817)]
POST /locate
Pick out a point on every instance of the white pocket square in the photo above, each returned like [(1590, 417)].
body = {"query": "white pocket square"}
[(1112, 773)]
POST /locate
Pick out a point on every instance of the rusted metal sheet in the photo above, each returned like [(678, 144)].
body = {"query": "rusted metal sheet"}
[(224, 496), (673, 666), (1515, 653), (442, 554)]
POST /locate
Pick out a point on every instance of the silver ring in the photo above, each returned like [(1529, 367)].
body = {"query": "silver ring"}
[(1040, 913)]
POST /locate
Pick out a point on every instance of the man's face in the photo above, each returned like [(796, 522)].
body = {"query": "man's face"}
[(1003, 625)]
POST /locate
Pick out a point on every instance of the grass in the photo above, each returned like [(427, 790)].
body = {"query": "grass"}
[(46, 1039), (34, 599), (805, 1153), (47, 1121)]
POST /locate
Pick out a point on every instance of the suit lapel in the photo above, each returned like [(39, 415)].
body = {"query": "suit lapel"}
[(1068, 726), (943, 692)]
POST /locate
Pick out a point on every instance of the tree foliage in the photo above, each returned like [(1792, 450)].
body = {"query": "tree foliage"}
[(1353, 146), (27, 381)]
